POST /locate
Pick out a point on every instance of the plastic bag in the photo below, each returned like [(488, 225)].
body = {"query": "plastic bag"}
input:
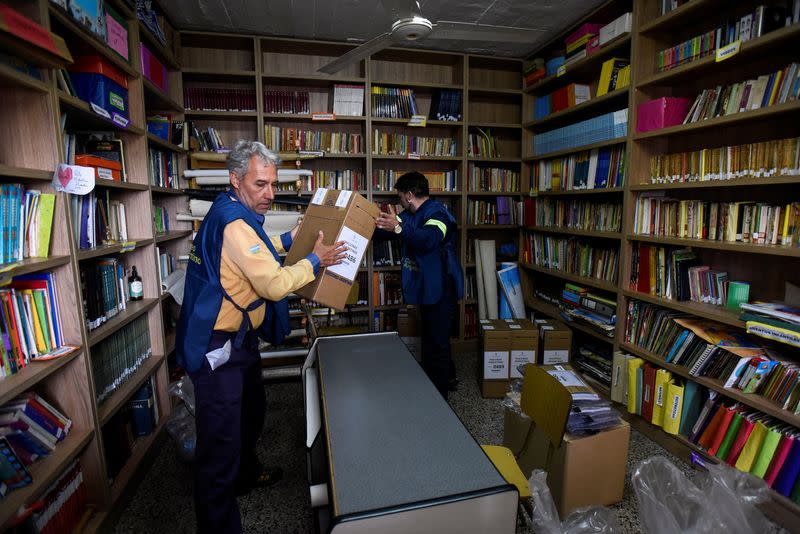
[(182, 429), (545, 520), (723, 502), (184, 390)]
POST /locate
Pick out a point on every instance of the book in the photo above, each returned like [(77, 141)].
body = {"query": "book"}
[(751, 448), (13, 474), (674, 406)]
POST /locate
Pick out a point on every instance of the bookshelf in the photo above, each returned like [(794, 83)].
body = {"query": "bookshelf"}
[(35, 108)]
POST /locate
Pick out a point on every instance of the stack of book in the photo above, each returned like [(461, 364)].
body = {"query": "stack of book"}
[(347, 179), (166, 266), (161, 219), (384, 179), (163, 167), (561, 99), (32, 426), (595, 130), (386, 253), (205, 140), (576, 43), (289, 139), (30, 322), (501, 210), (599, 168), (348, 100), (482, 144), (386, 289), (392, 143), (493, 179), (289, 102), (219, 99), (64, 503), (97, 219), (104, 286), (393, 102), (578, 214), (780, 157), (533, 71), (573, 256), (767, 90), (594, 362), (578, 304), (745, 222), (614, 74), (117, 357), (773, 320), (446, 105), (26, 222), (170, 130)]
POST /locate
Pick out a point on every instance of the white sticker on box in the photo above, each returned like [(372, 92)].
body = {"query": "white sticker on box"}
[(555, 356), (488, 327), (514, 326), (343, 199), (567, 378), (319, 196), (356, 246), (521, 357), (621, 116), (509, 320), (100, 111), (105, 174), (484, 321), (495, 365)]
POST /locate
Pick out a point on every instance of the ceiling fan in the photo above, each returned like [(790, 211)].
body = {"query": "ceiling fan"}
[(410, 25)]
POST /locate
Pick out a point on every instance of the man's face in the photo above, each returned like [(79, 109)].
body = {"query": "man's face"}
[(256, 189)]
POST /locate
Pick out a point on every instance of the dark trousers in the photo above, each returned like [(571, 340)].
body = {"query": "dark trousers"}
[(437, 323), (229, 413)]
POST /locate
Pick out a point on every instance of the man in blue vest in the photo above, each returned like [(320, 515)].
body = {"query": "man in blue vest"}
[(235, 292), (431, 277)]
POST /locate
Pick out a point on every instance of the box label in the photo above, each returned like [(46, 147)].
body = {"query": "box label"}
[(105, 174), (555, 356), (515, 326), (343, 199), (323, 117), (100, 111), (495, 365), (567, 378), (116, 36), (418, 121), (521, 357), (356, 246), (119, 120), (319, 196), (115, 100), (725, 52)]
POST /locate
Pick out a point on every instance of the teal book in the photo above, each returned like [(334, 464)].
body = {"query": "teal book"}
[(639, 385), (692, 405)]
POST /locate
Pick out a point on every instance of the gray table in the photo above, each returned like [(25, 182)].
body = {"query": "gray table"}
[(398, 458)]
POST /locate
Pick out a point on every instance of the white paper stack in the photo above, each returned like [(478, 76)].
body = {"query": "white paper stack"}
[(222, 176)]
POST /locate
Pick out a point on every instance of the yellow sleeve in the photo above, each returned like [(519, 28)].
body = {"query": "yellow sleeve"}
[(251, 255), (277, 243)]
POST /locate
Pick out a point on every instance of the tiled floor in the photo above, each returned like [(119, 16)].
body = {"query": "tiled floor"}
[(163, 500)]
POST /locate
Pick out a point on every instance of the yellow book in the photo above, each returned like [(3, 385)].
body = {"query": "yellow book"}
[(605, 77), (46, 207), (683, 225), (751, 448), (663, 380), (774, 94), (673, 408), (30, 306), (787, 213), (633, 365)]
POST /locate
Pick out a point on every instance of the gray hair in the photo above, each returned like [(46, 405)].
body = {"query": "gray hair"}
[(238, 161)]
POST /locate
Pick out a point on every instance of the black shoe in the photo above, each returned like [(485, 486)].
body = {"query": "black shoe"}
[(269, 476), (452, 384)]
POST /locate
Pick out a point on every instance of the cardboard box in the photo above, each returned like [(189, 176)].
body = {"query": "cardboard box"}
[(516, 426), (342, 216), (619, 26), (495, 352), (524, 345), (555, 343), (104, 169), (408, 326)]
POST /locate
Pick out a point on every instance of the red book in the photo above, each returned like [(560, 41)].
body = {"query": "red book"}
[(643, 285), (721, 430), (741, 439), (648, 391), (708, 434), (778, 459)]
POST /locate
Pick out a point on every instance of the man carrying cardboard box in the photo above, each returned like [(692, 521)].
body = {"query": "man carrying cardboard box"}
[(236, 292), (432, 276)]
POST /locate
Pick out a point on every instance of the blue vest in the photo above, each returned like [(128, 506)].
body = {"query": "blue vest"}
[(203, 292), (424, 274)]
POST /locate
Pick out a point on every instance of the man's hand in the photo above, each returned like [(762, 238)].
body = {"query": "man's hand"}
[(294, 230), (329, 254), (387, 220)]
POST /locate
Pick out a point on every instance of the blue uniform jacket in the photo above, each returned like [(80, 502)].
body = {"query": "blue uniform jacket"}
[(203, 292), (427, 258)]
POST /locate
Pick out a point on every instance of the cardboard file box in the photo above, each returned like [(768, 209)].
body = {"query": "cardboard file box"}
[(494, 362), (104, 169), (555, 343), (342, 216), (104, 87), (661, 113), (153, 69), (524, 345)]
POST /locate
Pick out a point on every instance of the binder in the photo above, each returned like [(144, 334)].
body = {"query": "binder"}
[(752, 447), (673, 408), (741, 438), (663, 379), (719, 433), (764, 458), (730, 436), (648, 391), (692, 405), (789, 472), (639, 389), (634, 365), (778, 459), (619, 378), (706, 437)]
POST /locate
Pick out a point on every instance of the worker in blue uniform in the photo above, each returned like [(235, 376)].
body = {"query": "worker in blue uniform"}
[(431, 273), (235, 292)]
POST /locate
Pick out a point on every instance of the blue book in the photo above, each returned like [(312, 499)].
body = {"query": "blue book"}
[(677, 345), (13, 474)]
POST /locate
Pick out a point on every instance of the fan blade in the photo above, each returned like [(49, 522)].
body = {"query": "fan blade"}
[(466, 31), (357, 54)]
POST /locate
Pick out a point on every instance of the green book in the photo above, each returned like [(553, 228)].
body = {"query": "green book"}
[(692, 405), (771, 321), (738, 292), (730, 436), (764, 458), (41, 311)]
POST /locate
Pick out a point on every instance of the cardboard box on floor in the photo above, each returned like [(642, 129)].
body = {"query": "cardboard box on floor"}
[(342, 216), (495, 349), (555, 342), (524, 345), (581, 471), (408, 327)]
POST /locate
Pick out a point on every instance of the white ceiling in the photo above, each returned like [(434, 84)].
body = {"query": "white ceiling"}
[(361, 20)]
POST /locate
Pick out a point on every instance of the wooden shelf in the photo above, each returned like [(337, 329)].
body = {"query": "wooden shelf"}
[(225, 115), (495, 91), (113, 184), (88, 39), (597, 191), (134, 309), (579, 111), (169, 343), (735, 182), (140, 449), (32, 374), (492, 227), (493, 160), (222, 73), (677, 17), (428, 122), (756, 401), (23, 173), (719, 314), (551, 310), (787, 35), (31, 265), (11, 77), (389, 307), (172, 235), (313, 78), (91, 119), (421, 158), (166, 190), (102, 250), (157, 100), (305, 117), (492, 193), (45, 471), (583, 280), (117, 399), (773, 250), (735, 119), (584, 148), (419, 85), (574, 231), (589, 66), (496, 125), (154, 45)]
